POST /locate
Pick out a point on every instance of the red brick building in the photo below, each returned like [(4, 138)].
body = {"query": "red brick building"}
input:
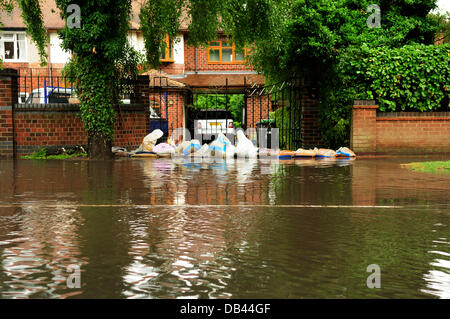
[(186, 70)]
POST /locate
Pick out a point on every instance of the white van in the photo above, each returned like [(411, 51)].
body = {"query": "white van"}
[(214, 126)]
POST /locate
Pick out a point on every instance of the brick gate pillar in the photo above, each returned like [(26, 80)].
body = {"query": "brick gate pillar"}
[(310, 115), (363, 136), (8, 97)]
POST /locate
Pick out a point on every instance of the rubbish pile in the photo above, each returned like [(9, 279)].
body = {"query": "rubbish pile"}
[(222, 147)]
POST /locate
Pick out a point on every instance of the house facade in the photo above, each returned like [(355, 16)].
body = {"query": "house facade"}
[(218, 67), (196, 67)]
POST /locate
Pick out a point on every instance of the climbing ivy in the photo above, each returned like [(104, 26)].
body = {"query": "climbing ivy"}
[(32, 17)]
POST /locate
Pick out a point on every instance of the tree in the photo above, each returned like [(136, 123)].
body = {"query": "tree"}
[(443, 20), (319, 36), (316, 32), (100, 48)]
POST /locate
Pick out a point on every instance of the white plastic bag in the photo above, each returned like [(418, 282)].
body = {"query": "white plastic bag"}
[(345, 152), (150, 140), (164, 150), (320, 153), (181, 147), (186, 148), (192, 147), (203, 152), (245, 147), (230, 151), (218, 148)]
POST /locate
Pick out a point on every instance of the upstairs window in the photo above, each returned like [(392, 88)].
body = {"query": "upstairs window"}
[(167, 52), (13, 47), (224, 52)]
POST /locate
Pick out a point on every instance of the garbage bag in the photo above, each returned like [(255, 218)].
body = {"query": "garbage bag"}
[(164, 150), (150, 140), (245, 147), (345, 152)]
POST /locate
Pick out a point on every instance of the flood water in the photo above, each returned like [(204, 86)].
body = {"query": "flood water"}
[(148, 228)]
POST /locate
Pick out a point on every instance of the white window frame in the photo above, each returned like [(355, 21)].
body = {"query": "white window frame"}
[(14, 33)]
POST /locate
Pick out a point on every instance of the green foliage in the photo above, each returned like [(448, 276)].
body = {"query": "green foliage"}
[(102, 61), (317, 39), (430, 167), (100, 46), (232, 102), (158, 19), (443, 21), (410, 78), (313, 34), (41, 154), (32, 17)]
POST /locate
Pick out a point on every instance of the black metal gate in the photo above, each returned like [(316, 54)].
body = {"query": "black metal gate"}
[(275, 106), (210, 111)]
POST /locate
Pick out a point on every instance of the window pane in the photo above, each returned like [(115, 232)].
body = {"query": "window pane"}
[(9, 50), (214, 44), (214, 55), (170, 49), (21, 50), (21, 36), (227, 55), (227, 44), (162, 49), (240, 56), (7, 36)]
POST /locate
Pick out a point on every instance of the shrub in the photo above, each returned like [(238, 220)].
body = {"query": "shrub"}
[(410, 78)]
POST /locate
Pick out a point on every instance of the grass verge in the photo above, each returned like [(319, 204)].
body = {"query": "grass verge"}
[(430, 167)]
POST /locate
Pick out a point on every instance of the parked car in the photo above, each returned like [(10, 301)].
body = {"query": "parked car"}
[(48, 95)]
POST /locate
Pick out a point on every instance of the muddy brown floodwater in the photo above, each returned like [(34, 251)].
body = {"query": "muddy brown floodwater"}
[(237, 229)]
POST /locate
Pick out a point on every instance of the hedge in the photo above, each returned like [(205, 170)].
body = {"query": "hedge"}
[(410, 78)]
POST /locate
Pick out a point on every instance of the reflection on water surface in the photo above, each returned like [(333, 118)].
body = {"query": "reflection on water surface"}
[(223, 229)]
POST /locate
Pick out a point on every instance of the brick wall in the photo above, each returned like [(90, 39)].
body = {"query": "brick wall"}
[(258, 108), (172, 68), (8, 90), (399, 132), (34, 129), (56, 127), (24, 129), (171, 103)]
